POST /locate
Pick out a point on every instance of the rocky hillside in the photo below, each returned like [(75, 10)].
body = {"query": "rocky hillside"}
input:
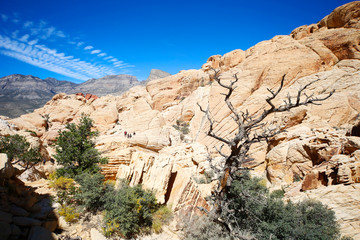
[(317, 157), (20, 94)]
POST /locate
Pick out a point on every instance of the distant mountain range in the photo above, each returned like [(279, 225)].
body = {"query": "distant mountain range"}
[(20, 94)]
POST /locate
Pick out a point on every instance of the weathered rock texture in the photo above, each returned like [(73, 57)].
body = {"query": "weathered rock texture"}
[(319, 151), (24, 214)]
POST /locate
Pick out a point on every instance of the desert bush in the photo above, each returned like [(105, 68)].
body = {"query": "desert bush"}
[(110, 228), (161, 217), (203, 228), (69, 213), (182, 127), (268, 217), (261, 215), (65, 188), (129, 207), (91, 192)]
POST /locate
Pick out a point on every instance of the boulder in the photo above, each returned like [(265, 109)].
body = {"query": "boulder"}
[(6, 169), (96, 235), (15, 231), (40, 233), (18, 211), (5, 230), (26, 221), (30, 175), (5, 217)]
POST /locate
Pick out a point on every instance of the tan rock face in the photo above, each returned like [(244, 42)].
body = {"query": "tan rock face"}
[(163, 160), (169, 174), (343, 200), (343, 16)]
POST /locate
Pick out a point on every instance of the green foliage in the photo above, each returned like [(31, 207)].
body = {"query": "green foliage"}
[(60, 182), (75, 149), (130, 207), (268, 217), (162, 216), (92, 190), (256, 214), (65, 187), (346, 238), (69, 213), (182, 127), (277, 193), (110, 228), (18, 148)]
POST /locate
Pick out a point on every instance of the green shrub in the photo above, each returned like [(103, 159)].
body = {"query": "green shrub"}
[(60, 182), (161, 217), (69, 213), (110, 228), (91, 191), (203, 228), (277, 193), (65, 188), (182, 127), (130, 207), (75, 149), (267, 216)]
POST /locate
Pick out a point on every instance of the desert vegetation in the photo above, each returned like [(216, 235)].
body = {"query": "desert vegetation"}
[(128, 211), (18, 150), (242, 207)]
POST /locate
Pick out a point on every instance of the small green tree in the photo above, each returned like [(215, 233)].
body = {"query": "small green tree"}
[(18, 149), (75, 149)]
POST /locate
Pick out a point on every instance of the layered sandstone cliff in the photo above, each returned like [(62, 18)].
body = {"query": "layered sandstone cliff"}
[(318, 156)]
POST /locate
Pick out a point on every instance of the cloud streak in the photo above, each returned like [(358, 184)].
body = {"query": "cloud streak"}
[(27, 43), (50, 59)]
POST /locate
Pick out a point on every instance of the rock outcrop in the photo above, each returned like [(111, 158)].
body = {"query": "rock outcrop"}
[(24, 214), (316, 157), (156, 74)]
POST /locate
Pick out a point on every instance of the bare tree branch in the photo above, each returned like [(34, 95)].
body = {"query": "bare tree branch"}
[(248, 133)]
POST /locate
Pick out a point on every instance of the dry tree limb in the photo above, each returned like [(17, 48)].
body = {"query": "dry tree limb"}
[(247, 134)]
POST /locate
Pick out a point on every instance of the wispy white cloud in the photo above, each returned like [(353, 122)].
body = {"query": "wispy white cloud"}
[(46, 58), (33, 42), (4, 17), (88, 47), (24, 38), (28, 24), (95, 51), (29, 42)]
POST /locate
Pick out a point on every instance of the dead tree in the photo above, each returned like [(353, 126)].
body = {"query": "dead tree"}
[(251, 128)]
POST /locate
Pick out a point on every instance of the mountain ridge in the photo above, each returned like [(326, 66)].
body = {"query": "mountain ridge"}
[(20, 94)]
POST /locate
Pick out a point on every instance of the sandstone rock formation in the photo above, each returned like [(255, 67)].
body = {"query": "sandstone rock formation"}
[(316, 157), (24, 214)]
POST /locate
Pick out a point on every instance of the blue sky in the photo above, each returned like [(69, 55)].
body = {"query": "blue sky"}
[(81, 39)]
